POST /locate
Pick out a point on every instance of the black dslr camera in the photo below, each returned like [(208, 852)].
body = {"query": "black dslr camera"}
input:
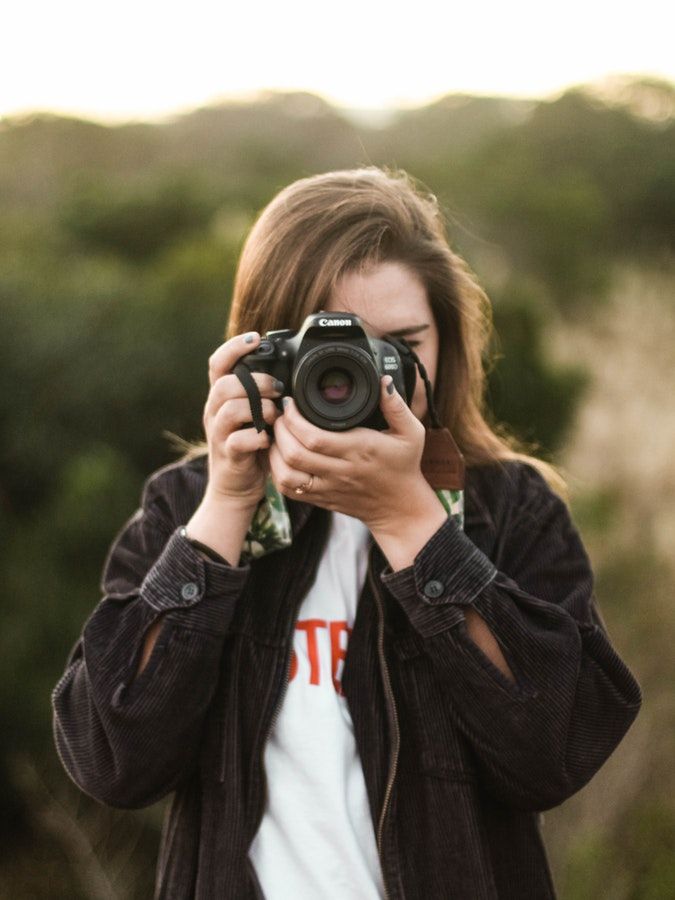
[(332, 369)]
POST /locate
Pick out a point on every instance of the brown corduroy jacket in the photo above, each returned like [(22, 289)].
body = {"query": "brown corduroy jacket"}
[(457, 759)]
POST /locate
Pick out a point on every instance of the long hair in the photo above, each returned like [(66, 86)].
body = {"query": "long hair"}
[(319, 228)]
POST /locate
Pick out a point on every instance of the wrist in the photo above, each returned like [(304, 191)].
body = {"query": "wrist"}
[(204, 551), (239, 504), (414, 501), (402, 536), (220, 524)]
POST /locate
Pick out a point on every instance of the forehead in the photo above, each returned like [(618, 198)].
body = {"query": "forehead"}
[(386, 295)]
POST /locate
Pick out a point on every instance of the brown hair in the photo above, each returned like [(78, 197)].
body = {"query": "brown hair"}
[(319, 228)]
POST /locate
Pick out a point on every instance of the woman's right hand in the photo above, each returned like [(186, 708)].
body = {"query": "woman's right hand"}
[(238, 464)]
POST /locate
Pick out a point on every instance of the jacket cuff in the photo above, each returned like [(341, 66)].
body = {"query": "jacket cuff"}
[(198, 593), (448, 573)]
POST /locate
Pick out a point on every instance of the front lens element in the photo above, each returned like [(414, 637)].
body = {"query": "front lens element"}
[(336, 386)]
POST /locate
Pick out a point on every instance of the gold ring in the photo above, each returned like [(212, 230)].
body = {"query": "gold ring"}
[(307, 486)]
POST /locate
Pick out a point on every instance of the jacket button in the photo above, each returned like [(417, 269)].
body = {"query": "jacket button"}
[(189, 591), (433, 589)]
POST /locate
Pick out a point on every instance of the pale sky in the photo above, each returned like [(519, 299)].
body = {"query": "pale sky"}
[(148, 59)]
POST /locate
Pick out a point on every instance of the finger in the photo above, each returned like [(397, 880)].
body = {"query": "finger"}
[(229, 387), (286, 477), (242, 443), (399, 416), (318, 440), (228, 354), (299, 457), (235, 413)]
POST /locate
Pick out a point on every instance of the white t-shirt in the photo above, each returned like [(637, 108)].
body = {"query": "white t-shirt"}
[(316, 838)]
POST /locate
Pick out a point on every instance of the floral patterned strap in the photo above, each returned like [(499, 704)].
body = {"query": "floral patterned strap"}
[(271, 526)]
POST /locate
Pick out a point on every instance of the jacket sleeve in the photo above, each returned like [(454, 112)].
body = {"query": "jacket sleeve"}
[(541, 739), (126, 740)]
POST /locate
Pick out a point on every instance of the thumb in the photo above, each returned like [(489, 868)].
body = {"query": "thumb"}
[(395, 410)]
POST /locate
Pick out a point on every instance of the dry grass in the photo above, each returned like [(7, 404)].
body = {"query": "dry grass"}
[(623, 450), (626, 431)]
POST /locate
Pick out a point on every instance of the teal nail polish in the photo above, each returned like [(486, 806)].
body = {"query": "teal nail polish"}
[(286, 401), (250, 337), (390, 387), (279, 385)]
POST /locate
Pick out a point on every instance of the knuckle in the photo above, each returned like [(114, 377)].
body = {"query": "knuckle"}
[(215, 356), (227, 414), (216, 361), (314, 442), (284, 477), (294, 457), (366, 450), (368, 445), (233, 442), (222, 357), (226, 385)]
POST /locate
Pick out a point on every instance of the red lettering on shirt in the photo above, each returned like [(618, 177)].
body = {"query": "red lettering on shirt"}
[(310, 626), (338, 650)]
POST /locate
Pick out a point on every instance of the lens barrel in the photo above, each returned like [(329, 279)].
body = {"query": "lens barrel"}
[(336, 386)]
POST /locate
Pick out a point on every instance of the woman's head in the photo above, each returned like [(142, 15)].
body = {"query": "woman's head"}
[(321, 238), (390, 298)]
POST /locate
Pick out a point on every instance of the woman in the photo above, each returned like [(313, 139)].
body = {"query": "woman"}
[(381, 707)]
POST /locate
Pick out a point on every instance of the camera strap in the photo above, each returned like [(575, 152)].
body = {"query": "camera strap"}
[(250, 386), (442, 461)]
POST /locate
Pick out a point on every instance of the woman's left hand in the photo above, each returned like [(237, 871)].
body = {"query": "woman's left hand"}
[(372, 475)]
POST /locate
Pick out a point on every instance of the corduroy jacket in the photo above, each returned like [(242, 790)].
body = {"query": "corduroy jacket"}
[(458, 760)]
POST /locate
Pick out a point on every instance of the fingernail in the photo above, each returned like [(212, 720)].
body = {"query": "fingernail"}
[(279, 385), (390, 385), (286, 401), (250, 337)]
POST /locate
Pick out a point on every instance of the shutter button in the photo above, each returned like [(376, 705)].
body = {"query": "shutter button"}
[(189, 591), (433, 589)]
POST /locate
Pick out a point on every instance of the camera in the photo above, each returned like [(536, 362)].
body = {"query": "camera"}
[(332, 368)]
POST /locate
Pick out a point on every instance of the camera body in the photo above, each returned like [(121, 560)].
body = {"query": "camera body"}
[(332, 368)]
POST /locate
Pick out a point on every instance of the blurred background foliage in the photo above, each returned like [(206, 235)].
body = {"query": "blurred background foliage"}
[(118, 247)]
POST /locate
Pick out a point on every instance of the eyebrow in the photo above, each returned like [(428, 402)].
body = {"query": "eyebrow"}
[(399, 332), (412, 329)]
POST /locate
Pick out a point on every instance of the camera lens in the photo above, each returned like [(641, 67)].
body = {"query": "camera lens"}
[(335, 386)]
